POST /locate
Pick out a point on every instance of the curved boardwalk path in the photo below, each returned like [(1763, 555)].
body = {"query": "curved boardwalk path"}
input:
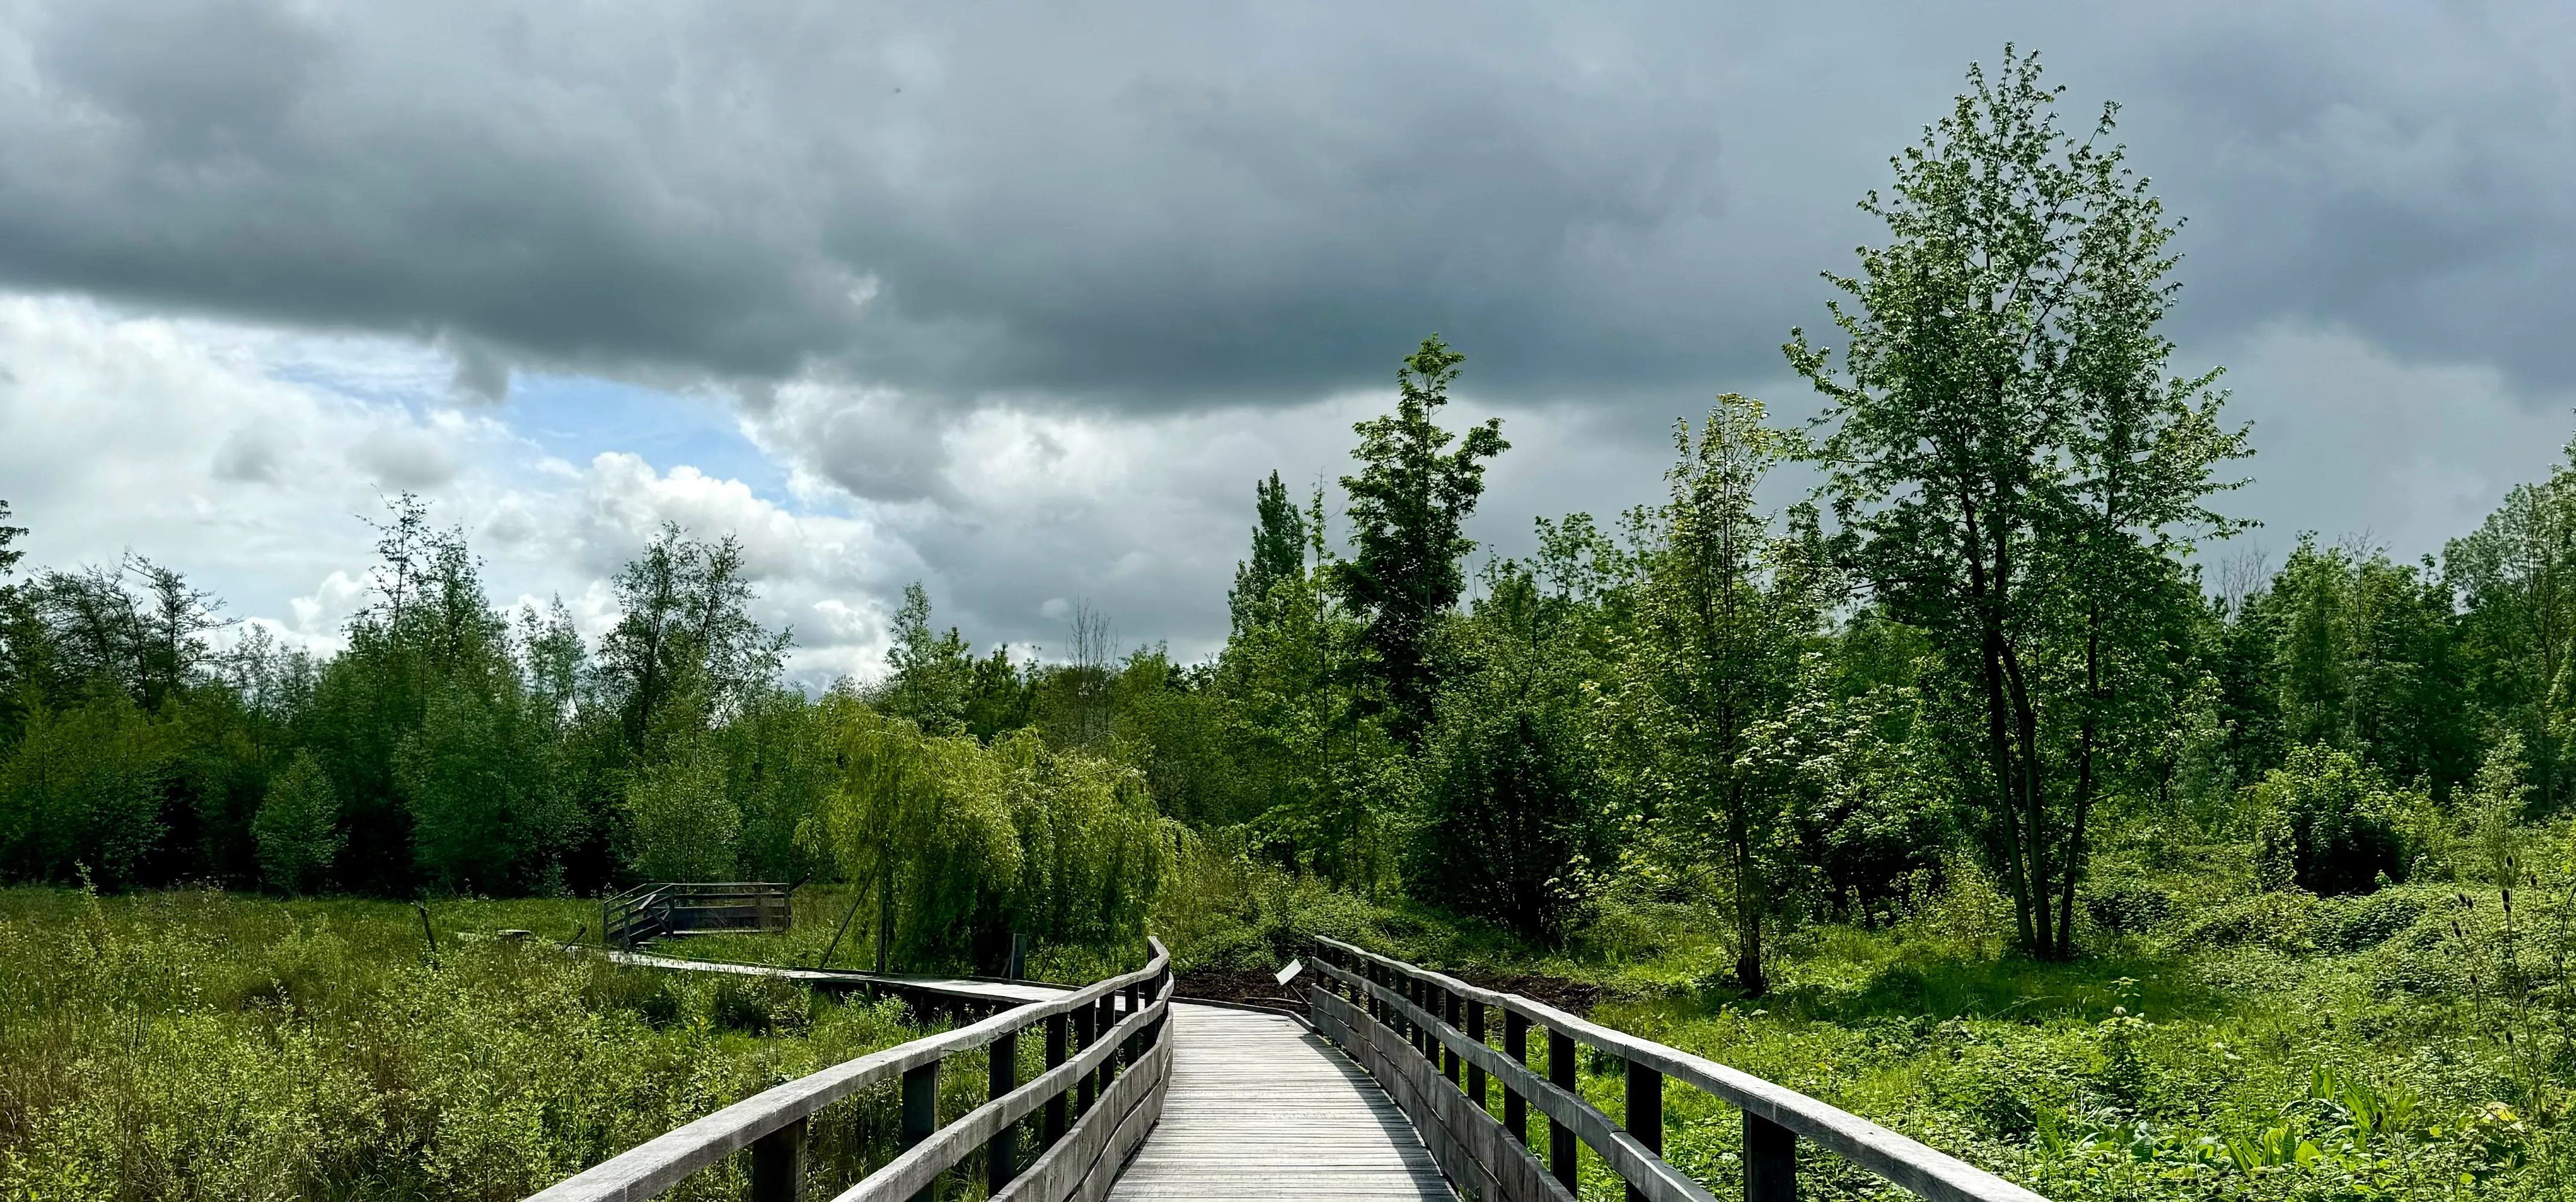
[(1261, 1107)]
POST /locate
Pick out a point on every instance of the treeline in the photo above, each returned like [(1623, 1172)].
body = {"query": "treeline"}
[(452, 748), (1989, 641)]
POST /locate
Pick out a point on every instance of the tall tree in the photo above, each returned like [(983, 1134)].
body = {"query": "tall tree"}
[(686, 651), (9, 535), (1278, 550), (1725, 611), (1407, 505), (2007, 449), (2516, 578), (1315, 758), (933, 673)]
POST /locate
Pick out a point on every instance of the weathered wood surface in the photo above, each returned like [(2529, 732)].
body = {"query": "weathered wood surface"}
[(1259, 1107), (651, 1168), (1469, 1145), (1912, 1165)]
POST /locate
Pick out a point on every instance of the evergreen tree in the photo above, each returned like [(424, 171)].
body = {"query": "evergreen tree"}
[(1278, 550), (1407, 505)]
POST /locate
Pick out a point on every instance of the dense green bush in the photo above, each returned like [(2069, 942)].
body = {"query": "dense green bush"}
[(2334, 820)]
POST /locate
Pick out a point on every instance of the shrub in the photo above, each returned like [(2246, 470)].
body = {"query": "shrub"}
[(2347, 925), (2128, 907), (2335, 819)]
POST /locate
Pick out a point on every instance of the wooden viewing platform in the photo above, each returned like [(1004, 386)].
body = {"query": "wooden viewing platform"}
[(1397, 1088)]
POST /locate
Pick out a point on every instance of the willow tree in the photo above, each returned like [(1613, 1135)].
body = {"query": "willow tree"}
[(2021, 475)]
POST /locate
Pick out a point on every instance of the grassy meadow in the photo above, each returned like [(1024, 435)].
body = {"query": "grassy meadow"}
[(228, 1048), (2212, 1043)]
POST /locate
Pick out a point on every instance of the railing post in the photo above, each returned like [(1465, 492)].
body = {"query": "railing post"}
[(778, 1164), (1644, 1113), (1560, 1138), (1516, 1046), (1086, 1027), (1770, 1161), (921, 1113), (1419, 993), (1001, 1156), (1476, 1072), (1448, 1055), (1104, 1024), (1053, 1129)]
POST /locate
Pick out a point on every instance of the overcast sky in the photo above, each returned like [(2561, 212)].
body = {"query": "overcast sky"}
[(1019, 300)]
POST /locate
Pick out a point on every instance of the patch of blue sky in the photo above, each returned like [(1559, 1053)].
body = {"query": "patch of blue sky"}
[(575, 418)]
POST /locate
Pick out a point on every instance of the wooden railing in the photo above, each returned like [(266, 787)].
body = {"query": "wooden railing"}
[(663, 909), (1415, 1030), (1107, 1059)]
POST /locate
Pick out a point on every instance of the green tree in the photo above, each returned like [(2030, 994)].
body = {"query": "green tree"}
[(931, 673), (2019, 474), (2366, 660), (298, 827), (2515, 576), (9, 535), (86, 787), (684, 824), (1278, 550), (686, 651), (1725, 610), (477, 779), (2335, 819), (1513, 822), (1407, 505), (1321, 775)]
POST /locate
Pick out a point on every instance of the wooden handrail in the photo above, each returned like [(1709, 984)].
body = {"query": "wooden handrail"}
[(660, 908), (772, 1123), (1632, 1152)]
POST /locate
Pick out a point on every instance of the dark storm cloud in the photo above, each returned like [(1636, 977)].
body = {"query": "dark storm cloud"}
[(1159, 206)]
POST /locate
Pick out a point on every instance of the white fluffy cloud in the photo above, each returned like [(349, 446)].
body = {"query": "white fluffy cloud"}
[(249, 459)]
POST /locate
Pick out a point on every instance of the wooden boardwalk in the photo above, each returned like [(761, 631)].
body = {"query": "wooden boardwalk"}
[(1260, 1107)]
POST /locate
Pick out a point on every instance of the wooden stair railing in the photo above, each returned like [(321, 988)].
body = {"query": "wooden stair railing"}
[(1416, 1030), (1107, 1058), (666, 908)]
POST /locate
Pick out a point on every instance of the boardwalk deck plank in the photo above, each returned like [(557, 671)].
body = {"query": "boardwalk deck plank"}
[(1259, 1107)]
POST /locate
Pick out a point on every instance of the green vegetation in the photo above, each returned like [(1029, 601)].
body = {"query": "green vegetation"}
[(203, 1045), (1959, 792)]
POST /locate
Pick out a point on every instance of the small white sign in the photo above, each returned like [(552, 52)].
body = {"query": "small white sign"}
[(1290, 973)]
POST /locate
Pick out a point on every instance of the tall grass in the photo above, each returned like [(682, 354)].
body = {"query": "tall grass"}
[(203, 1046)]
